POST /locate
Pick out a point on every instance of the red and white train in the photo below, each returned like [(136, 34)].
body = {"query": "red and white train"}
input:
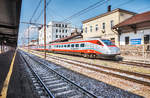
[(91, 48)]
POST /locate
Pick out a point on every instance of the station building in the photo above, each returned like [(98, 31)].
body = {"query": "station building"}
[(134, 34), (54, 30), (135, 30), (101, 25)]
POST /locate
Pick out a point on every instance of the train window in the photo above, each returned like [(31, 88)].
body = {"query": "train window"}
[(82, 45), (77, 45), (68, 46), (72, 45), (64, 45)]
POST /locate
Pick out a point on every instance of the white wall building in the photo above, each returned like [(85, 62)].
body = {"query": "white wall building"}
[(55, 30), (133, 38), (135, 30)]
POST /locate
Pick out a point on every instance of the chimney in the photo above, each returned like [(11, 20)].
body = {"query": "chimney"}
[(109, 8)]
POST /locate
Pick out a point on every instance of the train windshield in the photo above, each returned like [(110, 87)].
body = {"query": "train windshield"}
[(108, 42)]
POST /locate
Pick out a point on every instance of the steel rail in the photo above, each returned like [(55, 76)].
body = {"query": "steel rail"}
[(47, 90), (65, 78), (113, 74)]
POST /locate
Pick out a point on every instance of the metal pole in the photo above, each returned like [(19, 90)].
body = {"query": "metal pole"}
[(45, 29), (28, 38)]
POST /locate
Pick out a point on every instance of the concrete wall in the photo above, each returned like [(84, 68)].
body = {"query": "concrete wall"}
[(135, 50)]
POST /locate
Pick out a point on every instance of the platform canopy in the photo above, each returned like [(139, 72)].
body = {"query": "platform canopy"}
[(9, 21)]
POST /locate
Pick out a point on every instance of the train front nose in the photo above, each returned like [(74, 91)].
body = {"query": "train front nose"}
[(114, 50)]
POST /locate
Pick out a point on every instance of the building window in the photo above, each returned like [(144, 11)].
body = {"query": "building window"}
[(146, 39), (62, 31), (112, 40), (103, 26), (66, 31), (62, 36), (62, 25), (90, 28), (59, 36), (56, 36), (56, 30), (56, 25), (96, 27), (65, 26), (85, 29), (112, 23), (59, 25), (126, 40)]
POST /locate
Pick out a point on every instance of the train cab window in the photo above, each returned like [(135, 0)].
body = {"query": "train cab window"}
[(107, 42), (99, 43), (77, 45), (82, 45), (72, 45)]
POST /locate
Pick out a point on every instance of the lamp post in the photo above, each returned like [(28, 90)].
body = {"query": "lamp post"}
[(45, 29)]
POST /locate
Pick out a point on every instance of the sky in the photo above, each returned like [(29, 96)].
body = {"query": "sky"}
[(59, 10)]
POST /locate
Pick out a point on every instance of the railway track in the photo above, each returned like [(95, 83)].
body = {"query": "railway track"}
[(139, 64), (54, 85), (131, 76), (127, 62)]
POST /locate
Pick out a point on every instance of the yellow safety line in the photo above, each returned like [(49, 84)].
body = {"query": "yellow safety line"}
[(6, 83)]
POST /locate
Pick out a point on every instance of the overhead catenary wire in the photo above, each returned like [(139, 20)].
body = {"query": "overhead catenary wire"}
[(91, 7), (41, 13), (35, 10), (124, 3)]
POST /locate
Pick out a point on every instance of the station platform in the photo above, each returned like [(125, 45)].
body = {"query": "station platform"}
[(17, 83)]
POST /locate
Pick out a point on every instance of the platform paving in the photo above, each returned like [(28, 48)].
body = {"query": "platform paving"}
[(5, 61), (20, 83)]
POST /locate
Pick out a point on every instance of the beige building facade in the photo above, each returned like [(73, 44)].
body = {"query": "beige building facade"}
[(101, 25)]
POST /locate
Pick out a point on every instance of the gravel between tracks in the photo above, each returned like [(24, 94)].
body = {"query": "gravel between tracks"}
[(94, 86)]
